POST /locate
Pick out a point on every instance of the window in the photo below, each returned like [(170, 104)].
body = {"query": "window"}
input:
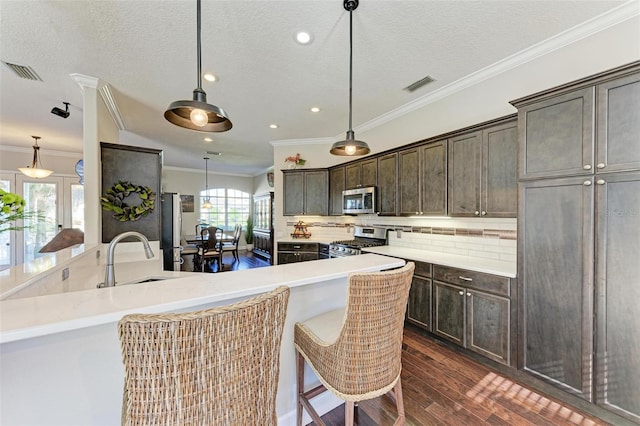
[(228, 207)]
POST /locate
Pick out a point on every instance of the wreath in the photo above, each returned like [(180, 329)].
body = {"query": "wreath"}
[(113, 201)]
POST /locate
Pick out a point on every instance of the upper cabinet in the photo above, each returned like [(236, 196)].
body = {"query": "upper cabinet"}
[(483, 172), (362, 173), (306, 192), (558, 128), (388, 184), (336, 186), (422, 183)]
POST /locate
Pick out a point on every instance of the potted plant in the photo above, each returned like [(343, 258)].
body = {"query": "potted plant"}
[(248, 233)]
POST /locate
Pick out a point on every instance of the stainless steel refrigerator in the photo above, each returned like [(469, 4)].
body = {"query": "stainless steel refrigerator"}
[(171, 230)]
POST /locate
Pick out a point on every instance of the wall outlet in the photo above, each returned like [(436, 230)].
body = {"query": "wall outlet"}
[(398, 233), (65, 274)]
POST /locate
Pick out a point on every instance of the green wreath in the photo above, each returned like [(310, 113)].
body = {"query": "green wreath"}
[(113, 201)]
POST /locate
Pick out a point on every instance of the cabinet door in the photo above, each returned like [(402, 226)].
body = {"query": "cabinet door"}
[(465, 167), (433, 178), (488, 325), (336, 186), (419, 306), (556, 136), (500, 171), (293, 184), (387, 184), (618, 145), (618, 293), (409, 182), (306, 256), (555, 271), (316, 192), (448, 320), (369, 172), (353, 176), (287, 257)]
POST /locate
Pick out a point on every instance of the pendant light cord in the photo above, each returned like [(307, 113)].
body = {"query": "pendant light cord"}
[(350, 63), (199, 47)]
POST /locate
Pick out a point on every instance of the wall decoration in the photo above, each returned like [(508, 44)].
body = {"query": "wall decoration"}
[(187, 203), (270, 179), (114, 201)]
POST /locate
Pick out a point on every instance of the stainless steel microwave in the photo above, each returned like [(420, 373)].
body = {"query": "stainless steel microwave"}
[(359, 200)]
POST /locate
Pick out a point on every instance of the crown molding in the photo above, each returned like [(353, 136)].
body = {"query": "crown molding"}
[(47, 152), (112, 106), (85, 81)]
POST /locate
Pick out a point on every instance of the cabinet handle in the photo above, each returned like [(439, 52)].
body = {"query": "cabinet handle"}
[(296, 247), (465, 278), (477, 213), (461, 293), (587, 183), (600, 165), (600, 182), (483, 213), (587, 167)]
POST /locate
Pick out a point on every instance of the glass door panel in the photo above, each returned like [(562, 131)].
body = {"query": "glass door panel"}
[(6, 252)]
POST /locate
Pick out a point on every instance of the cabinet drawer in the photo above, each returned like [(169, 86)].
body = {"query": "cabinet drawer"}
[(471, 279), (298, 247), (324, 249), (423, 269)]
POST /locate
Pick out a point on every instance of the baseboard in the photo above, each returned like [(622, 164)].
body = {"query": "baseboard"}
[(322, 403)]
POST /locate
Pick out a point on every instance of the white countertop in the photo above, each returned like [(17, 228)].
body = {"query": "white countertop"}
[(42, 315), (305, 240), (488, 266)]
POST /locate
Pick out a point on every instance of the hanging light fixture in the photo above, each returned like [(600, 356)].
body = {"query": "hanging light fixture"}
[(350, 146), (207, 203), (198, 114), (36, 170)]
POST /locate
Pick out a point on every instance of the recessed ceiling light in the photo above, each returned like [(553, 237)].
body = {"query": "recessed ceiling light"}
[(208, 140), (315, 109), (303, 37), (273, 126), (210, 77)]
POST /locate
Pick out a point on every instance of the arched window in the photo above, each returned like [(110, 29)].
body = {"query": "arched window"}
[(228, 207)]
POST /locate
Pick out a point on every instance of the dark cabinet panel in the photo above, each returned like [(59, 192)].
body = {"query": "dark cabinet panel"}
[(465, 168), (336, 186), (557, 135), (409, 181), (297, 252), (420, 297), (448, 312), (387, 184), (353, 175), (618, 143), (306, 192), (433, 178), (618, 292), (488, 325), (555, 244), (500, 171), (362, 173), (293, 183)]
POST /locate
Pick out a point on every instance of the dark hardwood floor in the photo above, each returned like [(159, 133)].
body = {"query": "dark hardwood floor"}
[(443, 387), (248, 260)]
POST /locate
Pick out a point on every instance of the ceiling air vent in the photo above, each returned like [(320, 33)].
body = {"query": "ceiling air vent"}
[(418, 84), (23, 72), (214, 153)]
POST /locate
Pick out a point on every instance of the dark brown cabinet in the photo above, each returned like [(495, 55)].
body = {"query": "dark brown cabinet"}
[(388, 184), (422, 183), (579, 238), (419, 304), (336, 186), (297, 252), (306, 192), (263, 225), (362, 173), (483, 172), (473, 310)]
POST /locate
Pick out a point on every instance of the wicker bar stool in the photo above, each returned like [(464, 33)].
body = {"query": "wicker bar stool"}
[(355, 352), (217, 366)]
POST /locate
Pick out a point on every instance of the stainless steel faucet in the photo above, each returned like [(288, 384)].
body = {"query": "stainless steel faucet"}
[(110, 275)]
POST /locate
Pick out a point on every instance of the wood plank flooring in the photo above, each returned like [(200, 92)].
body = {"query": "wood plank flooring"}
[(443, 387), (247, 260)]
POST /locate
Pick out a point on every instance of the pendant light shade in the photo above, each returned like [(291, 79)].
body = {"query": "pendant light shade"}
[(35, 170), (350, 146), (207, 203), (197, 114)]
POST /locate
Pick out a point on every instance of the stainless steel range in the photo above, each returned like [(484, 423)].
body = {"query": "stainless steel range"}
[(364, 236)]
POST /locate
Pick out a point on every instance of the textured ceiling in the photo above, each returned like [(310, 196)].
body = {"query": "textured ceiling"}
[(146, 52)]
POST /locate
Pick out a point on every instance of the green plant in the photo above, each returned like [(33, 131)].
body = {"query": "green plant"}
[(248, 233), (12, 209)]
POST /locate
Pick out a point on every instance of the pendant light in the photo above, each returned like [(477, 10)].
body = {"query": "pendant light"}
[(36, 170), (207, 203), (350, 146), (198, 114)]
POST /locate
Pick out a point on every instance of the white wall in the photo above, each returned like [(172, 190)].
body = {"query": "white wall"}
[(260, 183)]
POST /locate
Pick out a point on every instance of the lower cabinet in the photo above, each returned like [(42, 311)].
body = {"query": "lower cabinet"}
[(473, 310), (419, 305), (294, 252)]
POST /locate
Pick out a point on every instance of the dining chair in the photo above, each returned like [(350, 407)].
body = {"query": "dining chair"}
[(355, 351), (188, 250), (211, 247), (218, 366), (232, 246)]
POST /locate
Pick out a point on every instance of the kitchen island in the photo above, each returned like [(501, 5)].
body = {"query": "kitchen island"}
[(61, 361)]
